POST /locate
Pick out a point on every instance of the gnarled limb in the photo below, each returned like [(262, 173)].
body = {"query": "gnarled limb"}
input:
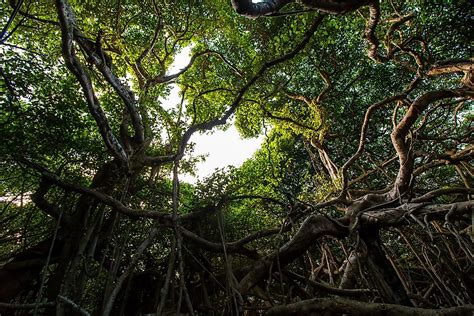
[(338, 306), (71, 33), (66, 19), (373, 42), (400, 132), (40, 201), (351, 270), (382, 273), (335, 6), (314, 227), (251, 9), (23, 269), (329, 289), (451, 66), (395, 216)]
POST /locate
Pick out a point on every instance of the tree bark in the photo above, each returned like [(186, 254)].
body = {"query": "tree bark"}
[(335, 306)]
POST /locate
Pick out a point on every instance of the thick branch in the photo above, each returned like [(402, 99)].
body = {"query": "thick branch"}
[(251, 9), (158, 160), (335, 6), (26, 306), (451, 66), (400, 132), (338, 306), (314, 227), (439, 192), (329, 289), (40, 201), (125, 93), (99, 196), (395, 216), (66, 18)]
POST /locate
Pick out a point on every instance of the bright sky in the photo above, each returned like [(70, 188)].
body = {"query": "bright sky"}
[(223, 148)]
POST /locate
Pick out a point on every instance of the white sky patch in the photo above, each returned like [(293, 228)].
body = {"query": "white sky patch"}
[(223, 148)]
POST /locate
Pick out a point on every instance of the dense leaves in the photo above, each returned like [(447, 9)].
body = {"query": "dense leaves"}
[(361, 191)]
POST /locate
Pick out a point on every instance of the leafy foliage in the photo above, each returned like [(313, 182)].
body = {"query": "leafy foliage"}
[(362, 183)]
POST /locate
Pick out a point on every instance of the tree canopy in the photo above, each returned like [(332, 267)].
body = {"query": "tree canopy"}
[(358, 202)]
